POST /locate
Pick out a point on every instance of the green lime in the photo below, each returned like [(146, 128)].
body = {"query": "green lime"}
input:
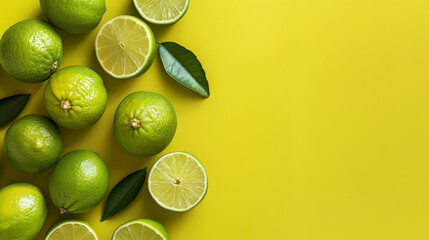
[(33, 144), (125, 47), (145, 123), (31, 50), (178, 181), (23, 211), (162, 11), (75, 97), (74, 16), (71, 229), (141, 229), (78, 182)]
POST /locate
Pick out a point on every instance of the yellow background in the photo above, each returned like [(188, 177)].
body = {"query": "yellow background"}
[(317, 126)]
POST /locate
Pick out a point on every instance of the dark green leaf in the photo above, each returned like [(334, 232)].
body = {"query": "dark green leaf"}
[(11, 107), (124, 193), (183, 66)]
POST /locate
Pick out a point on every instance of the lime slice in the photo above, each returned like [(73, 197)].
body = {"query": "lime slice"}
[(140, 229), (162, 11), (71, 230), (178, 181), (125, 47)]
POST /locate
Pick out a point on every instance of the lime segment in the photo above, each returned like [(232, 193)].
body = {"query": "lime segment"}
[(140, 229), (178, 181), (162, 11), (71, 230), (125, 47)]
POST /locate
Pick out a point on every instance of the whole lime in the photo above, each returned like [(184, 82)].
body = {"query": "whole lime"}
[(23, 211), (78, 182), (75, 97), (31, 50), (74, 16), (145, 123), (33, 144)]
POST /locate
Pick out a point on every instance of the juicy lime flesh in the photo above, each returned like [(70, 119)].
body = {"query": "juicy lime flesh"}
[(23, 211), (162, 10), (178, 181), (124, 46), (144, 123), (33, 144), (71, 230), (141, 229), (75, 97), (31, 50)]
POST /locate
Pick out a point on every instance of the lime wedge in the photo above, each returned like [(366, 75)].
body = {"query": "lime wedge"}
[(178, 181), (71, 230), (140, 229), (162, 11), (125, 47)]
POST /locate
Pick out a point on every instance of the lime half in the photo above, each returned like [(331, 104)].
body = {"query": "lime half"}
[(162, 11), (71, 230), (178, 181), (125, 47), (141, 229)]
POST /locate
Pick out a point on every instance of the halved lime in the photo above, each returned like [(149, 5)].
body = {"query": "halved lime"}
[(140, 229), (162, 11), (71, 230), (178, 181), (125, 47)]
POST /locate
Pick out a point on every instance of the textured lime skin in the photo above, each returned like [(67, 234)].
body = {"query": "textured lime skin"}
[(158, 123), (148, 222), (61, 222), (74, 16), (78, 182), (33, 144), (31, 50), (23, 211), (85, 91)]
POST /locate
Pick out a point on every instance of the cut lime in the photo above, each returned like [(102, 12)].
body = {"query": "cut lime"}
[(71, 230), (125, 47), (162, 11), (178, 181), (141, 229)]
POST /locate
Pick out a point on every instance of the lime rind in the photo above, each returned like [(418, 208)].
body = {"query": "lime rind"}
[(161, 22), (62, 223), (149, 57), (174, 209)]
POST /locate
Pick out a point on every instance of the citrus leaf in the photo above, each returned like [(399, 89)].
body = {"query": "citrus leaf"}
[(123, 193), (183, 66), (11, 107)]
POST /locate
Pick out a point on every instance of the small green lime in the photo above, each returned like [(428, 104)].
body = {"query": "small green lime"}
[(74, 16), (145, 123), (30, 51), (33, 144), (23, 211), (78, 182), (162, 11), (141, 229), (71, 229), (75, 97)]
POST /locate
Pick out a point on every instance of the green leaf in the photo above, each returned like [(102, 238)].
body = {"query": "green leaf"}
[(11, 107), (183, 66), (124, 193)]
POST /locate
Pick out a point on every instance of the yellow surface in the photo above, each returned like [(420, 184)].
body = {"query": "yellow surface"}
[(317, 127)]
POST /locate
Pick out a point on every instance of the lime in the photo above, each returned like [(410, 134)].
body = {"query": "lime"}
[(30, 51), (78, 182), (178, 181), (75, 97), (74, 16), (141, 229), (162, 11), (145, 123), (33, 144), (71, 229), (23, 211), (125, 47)]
